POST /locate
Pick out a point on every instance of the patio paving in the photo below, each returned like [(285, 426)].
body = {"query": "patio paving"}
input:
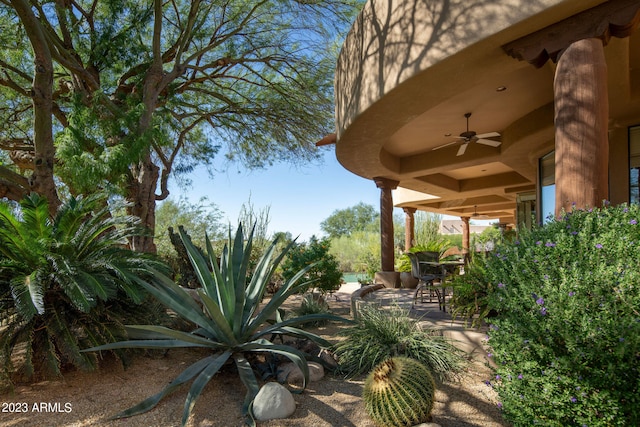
[(469, 339)]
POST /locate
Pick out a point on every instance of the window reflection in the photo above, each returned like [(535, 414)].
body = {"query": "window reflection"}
[(634, 164), (547, 186)]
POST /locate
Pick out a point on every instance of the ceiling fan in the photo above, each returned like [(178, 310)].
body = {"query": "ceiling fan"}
[(475, 213), (470, 136)]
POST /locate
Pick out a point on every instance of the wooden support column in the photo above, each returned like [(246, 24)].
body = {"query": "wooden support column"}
[(409, 228), (465, 238), (386, 221), (581, 119)]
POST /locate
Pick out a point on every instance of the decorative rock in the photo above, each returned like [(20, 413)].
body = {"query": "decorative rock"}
[(328, 358), (290, 373), (193, 293), (273, 401)]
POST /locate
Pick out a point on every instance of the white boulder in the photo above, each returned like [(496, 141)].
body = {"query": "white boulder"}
[(273, 401)]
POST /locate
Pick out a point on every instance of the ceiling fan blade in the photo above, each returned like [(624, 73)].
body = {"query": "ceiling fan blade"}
[(489, 142), (488, 135), (445, 145), (462, 149)]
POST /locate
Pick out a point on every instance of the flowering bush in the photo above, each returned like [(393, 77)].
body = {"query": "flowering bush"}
[(566, 342)]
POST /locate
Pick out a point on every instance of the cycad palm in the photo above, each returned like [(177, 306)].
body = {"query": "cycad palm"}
[(56, 275)]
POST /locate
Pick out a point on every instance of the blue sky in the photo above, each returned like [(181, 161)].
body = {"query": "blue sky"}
[(299, 197)]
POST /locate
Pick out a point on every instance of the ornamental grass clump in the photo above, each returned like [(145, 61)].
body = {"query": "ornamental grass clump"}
[(230, 323), (383, 333), (567, 340)]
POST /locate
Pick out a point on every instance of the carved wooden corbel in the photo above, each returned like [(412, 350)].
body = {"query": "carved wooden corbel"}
[(615, 18)]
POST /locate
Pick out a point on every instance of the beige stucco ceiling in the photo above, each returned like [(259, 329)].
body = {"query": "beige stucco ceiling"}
[(393, 108)]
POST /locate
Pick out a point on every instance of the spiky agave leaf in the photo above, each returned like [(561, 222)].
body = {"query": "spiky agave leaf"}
[(202, 380), (290, 287), (227, 320), (187, 375), (262, 276), (248, 378), (177, 299)]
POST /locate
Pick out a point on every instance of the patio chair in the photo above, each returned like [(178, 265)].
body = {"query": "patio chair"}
[(425, 267)]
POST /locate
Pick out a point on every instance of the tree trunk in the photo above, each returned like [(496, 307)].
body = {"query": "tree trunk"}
[(41, 181), (143, 199), (144, 175)]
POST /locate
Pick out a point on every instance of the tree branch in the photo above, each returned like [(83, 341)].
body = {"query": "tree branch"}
[(13, 179), (25, 76)]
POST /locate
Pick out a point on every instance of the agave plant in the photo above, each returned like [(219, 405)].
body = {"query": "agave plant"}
[(57, 276), (228, 321)]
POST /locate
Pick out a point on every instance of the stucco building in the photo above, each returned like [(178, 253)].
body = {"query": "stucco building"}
[(457, 226), (514, 109)]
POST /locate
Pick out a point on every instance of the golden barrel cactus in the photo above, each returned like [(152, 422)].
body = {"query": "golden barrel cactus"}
[(399, 392)]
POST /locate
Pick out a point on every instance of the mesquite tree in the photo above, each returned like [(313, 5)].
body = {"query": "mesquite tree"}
[(118, 95)]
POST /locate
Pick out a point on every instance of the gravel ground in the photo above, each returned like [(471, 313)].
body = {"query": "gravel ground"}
[(89, 399)]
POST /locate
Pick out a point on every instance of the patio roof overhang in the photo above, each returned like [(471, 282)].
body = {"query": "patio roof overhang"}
[(409, 72)]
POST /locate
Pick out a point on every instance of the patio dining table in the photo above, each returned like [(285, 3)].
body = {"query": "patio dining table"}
[(443, 271)]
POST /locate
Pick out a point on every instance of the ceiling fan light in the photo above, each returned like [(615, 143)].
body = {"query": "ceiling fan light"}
[(469, 136)]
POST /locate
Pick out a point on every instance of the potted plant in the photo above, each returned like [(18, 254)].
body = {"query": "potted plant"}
[(407, 280)]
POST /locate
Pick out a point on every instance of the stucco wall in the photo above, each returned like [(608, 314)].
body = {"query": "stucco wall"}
[(393, 40)]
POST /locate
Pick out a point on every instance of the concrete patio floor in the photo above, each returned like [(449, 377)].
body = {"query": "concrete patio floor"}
[(467, 338)]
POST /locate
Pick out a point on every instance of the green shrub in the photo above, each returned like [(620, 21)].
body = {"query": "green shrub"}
[(67, 283), (359, 252), (403, 264), (383, 333), (399, 392), (567, 340), (470, 299), (229, 322), (322, 267), (440, 245)]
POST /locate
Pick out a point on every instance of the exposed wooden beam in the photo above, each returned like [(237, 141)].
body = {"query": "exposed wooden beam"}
[(445, 161), (520, 189), (614, 18), (442, 181), (456, 204), (493, 181), (327, 140)]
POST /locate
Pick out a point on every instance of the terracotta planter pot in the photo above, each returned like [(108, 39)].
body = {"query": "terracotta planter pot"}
[(408, 281)]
